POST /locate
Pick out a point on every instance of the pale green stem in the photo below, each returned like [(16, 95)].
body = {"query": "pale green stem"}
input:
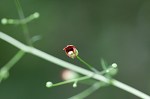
[(24, 25), (14, 60), (20, 21), (89, 91), (92, 68), (70, 66), (103, 63), (4, 71), (70, 81), (88, 65)]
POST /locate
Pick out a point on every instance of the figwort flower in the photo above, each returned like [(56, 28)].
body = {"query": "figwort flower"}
[(71, 51)]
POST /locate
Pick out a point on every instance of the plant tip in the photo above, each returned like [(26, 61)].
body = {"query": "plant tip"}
[(49, 84), (36, 15), (4, 21), (75, 84), (114, 65), (107, 71)]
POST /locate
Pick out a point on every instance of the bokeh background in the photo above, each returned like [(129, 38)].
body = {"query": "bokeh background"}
[(116, 30)]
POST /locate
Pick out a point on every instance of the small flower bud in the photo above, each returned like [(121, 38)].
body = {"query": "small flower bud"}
[(75, 84), (114, 65), (49, 84), (4, 21), (71, 51)]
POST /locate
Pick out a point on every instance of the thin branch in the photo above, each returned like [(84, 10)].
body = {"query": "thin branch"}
[(69, 81), (24, 24), (4, 71), (70, 66), (90, 90), (88, 65), (15, 59)]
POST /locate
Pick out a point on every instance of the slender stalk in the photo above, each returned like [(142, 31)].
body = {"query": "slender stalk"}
[(84, 62), (4, 71), (24, 25), (103, 63), (88, 65), (14, 60), (88, 91), (70, 66), (70, 81)]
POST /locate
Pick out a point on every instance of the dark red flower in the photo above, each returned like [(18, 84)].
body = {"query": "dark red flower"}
[(71, 51)]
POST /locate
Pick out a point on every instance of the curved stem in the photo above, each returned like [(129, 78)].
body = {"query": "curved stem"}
[(70, 66)]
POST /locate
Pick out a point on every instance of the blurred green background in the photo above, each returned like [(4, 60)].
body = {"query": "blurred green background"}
[(116, 30)]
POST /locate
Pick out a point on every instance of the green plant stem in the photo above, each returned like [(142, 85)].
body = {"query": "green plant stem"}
[(20, 21), (89, 91), (4, 71), (70, 81), (104, 65), (24, 24), (70, 66), (88, 65), (14, 60), (92, 68)]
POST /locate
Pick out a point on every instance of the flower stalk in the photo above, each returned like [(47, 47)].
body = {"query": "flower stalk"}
[(70, 66)]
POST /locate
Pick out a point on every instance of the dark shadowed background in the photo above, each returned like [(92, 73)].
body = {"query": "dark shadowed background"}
[(116, 30)]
